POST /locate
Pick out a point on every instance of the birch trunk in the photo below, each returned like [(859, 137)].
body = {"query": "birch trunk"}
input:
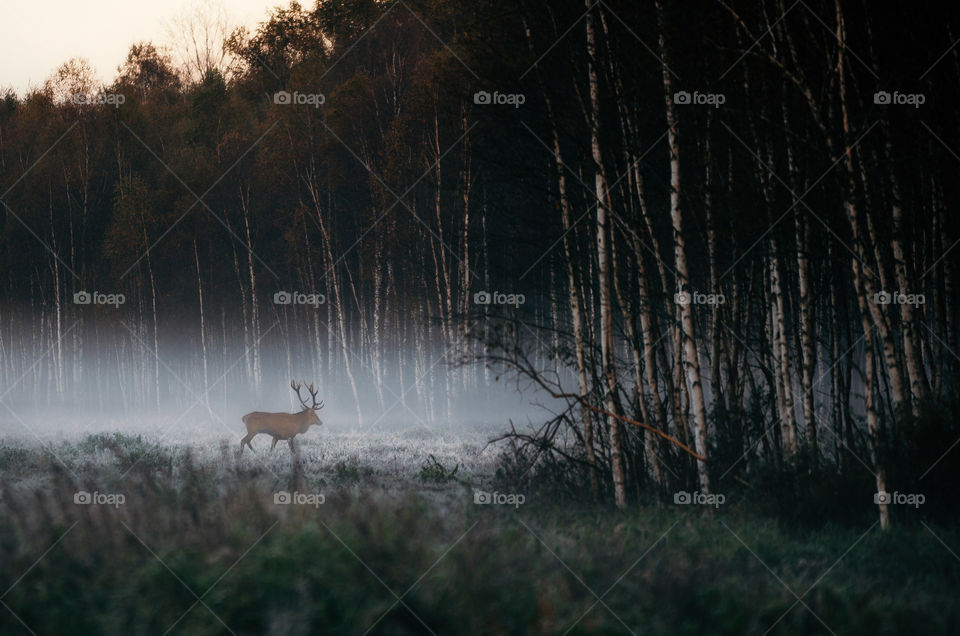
[(572, 286), (603, 271), (689, 347)]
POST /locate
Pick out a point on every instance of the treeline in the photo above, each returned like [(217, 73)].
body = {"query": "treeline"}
[(729, 223)]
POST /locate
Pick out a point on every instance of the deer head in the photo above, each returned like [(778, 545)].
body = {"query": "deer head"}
[(309, 410)]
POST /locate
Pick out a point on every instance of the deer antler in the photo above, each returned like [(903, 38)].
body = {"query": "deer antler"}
[(314, 405)]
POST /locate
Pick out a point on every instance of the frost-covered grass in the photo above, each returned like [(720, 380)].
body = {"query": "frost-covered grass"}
[(398, 546), (385, 463)]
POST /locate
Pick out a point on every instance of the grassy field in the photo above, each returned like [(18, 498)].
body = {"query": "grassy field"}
[(381, 534)]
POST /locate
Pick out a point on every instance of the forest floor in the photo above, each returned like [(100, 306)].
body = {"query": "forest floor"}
[(381, 534)]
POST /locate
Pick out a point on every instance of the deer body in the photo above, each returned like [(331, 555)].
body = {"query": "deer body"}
[(282, 426)]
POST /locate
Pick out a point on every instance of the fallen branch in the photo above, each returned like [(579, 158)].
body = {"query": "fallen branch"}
[(583, 401), (596, 409)]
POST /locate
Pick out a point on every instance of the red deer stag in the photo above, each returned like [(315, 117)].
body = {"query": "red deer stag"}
[(283, 425)]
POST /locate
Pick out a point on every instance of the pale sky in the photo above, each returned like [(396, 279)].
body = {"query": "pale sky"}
[(37, 36)]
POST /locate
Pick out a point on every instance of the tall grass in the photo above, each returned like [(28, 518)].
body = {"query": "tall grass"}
[(200, 547)]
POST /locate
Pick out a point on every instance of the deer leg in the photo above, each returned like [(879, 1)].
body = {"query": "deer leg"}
[(246, 440), (290, 441), (272, 446)]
